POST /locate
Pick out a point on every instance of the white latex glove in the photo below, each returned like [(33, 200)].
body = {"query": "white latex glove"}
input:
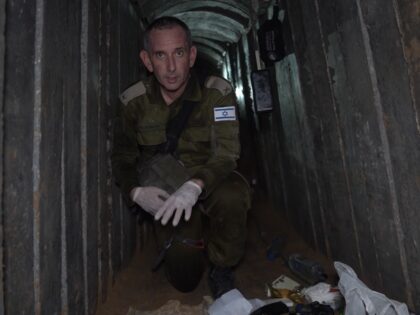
[(179, 202), (150, 198)]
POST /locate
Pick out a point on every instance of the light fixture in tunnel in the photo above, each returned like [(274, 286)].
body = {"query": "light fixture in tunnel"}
[(225, 71), (239, 93)]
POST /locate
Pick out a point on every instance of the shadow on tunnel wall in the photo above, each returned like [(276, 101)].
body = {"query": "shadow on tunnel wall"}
[(348, 137)]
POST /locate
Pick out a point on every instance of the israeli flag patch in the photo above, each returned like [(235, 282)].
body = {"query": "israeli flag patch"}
[(224, 113)]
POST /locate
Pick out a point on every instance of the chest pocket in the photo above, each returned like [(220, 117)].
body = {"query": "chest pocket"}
[(197, 134), (151, 135), (151, 124)]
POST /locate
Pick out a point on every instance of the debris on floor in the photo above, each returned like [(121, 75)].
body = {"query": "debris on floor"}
[(325, 294), (362, 300), (285, 288), (284, 282), (309, 270), (321, 298), (275, 250), (232, 302)]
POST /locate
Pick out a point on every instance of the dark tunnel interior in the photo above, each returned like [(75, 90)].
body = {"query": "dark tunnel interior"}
[(330, 134)]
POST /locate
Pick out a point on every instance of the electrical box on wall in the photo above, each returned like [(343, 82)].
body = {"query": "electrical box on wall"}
[(263, 90), (270, 38)]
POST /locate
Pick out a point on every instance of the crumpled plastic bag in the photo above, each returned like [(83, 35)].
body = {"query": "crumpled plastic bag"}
[(362, 300), (324, 294), (234, 303), (230, 303)]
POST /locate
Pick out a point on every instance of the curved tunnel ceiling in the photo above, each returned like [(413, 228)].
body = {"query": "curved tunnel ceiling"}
[(214, 24)]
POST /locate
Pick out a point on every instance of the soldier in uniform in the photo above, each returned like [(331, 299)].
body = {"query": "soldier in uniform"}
[(206, 215)]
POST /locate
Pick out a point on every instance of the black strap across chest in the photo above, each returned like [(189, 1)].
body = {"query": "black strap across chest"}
[(175, 127)]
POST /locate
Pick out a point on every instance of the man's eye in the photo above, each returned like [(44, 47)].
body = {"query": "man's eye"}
[(160, 55), (180, 53)]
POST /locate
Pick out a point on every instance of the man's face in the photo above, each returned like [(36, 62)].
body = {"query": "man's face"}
[(169, 58)]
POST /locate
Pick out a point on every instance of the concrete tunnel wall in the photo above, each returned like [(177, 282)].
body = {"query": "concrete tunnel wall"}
[(338, 153), (340, 150), (65, 231)]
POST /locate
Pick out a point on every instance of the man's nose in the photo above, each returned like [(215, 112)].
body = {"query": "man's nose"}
[(171, 64)]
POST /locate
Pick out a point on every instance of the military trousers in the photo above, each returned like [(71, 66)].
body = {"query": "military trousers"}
[(219, 220)]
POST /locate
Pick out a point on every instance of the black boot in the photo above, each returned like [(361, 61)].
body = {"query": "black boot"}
[(221, 280)]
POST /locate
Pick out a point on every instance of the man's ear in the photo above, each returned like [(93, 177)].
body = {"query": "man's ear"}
[(193, 55), (144, 56)]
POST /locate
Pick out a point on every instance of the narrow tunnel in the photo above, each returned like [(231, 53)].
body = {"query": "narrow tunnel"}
[(330, 135)]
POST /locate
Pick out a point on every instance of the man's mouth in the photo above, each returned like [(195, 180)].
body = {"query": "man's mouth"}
[(171, 79)]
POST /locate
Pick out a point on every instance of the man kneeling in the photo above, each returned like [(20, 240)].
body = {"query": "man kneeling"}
[(171, 113)]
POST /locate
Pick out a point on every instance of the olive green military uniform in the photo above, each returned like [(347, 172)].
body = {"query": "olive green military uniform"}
[(208, 147)]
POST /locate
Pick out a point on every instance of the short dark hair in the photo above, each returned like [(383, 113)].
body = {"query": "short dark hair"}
[(165, 22)]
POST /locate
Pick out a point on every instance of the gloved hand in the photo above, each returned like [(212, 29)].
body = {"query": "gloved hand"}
[(150, 198), (179, 202)]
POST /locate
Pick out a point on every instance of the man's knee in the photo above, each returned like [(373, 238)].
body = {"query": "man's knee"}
[(184, 266), (233, 195), (184, 259)]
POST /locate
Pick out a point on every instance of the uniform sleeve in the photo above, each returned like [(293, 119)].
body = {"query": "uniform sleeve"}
[(225, 144), (125, 152)]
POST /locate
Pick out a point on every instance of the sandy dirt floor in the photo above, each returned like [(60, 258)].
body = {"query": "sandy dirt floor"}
[(139, 288)]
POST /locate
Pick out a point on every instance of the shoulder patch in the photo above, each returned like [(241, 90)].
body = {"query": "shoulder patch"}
[(132, 92), (224, 113), (219, 84)]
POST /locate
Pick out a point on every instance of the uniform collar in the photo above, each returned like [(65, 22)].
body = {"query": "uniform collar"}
[(192, 91)]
